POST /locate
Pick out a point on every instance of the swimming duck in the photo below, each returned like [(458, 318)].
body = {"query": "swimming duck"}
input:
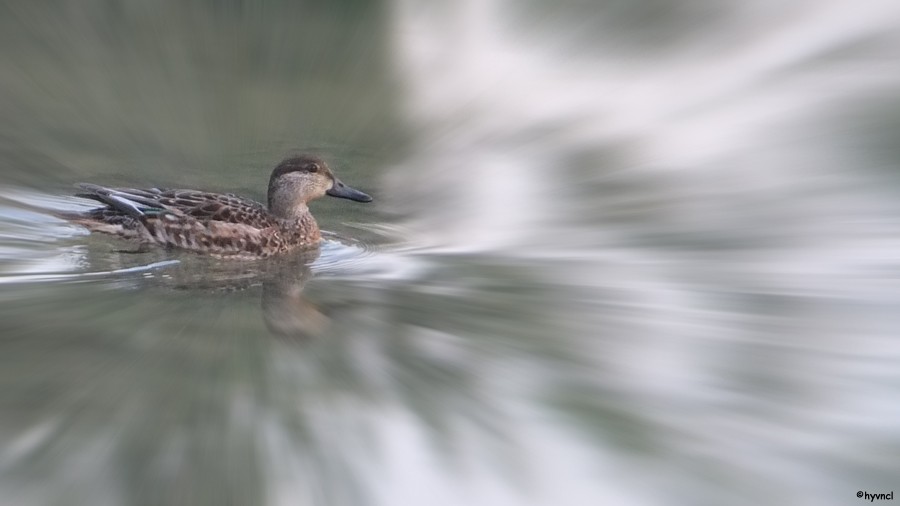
[(221, 225)]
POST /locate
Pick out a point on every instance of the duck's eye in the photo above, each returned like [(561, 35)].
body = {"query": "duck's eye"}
[(312, 168)]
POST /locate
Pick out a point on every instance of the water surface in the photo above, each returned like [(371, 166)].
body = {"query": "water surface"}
[(620, 252)]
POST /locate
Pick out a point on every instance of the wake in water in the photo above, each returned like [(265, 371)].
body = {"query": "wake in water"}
[(37, 247)]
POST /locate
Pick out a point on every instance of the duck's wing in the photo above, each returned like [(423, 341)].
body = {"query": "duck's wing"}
[(199, 205)]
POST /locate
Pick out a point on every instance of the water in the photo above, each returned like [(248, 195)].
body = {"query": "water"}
[(620, 252)]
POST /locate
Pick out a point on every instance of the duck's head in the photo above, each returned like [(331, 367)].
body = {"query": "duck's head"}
[(300, 179)]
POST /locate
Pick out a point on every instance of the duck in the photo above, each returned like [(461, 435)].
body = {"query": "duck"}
[(220, 225)]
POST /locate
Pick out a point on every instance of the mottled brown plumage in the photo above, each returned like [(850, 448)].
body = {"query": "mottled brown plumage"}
[(221, 225)]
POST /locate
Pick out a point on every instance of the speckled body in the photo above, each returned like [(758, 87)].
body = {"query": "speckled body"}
[(221, 225)]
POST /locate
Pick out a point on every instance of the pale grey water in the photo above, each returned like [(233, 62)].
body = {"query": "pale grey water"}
[(620, 252)]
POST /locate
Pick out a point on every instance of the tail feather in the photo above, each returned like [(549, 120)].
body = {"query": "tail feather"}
[(123, 200), (122, 204)]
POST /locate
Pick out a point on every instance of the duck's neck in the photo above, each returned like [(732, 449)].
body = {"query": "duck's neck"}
[(283, 201), (295, 212), (297, 217)]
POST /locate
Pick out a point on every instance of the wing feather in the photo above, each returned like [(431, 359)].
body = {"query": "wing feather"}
[(202, 206)]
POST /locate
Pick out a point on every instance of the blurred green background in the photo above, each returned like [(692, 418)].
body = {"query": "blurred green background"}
[(620, 252)]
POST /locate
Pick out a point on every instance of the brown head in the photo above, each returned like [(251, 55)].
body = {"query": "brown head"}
[(299, 179)]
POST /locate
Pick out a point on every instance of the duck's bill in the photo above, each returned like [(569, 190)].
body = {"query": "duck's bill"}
[(342, 191)]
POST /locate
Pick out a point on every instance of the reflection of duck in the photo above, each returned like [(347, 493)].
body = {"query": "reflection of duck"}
[(285, 310), (221, 225)]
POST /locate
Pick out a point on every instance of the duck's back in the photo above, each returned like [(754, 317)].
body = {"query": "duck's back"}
[(210, 223)]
